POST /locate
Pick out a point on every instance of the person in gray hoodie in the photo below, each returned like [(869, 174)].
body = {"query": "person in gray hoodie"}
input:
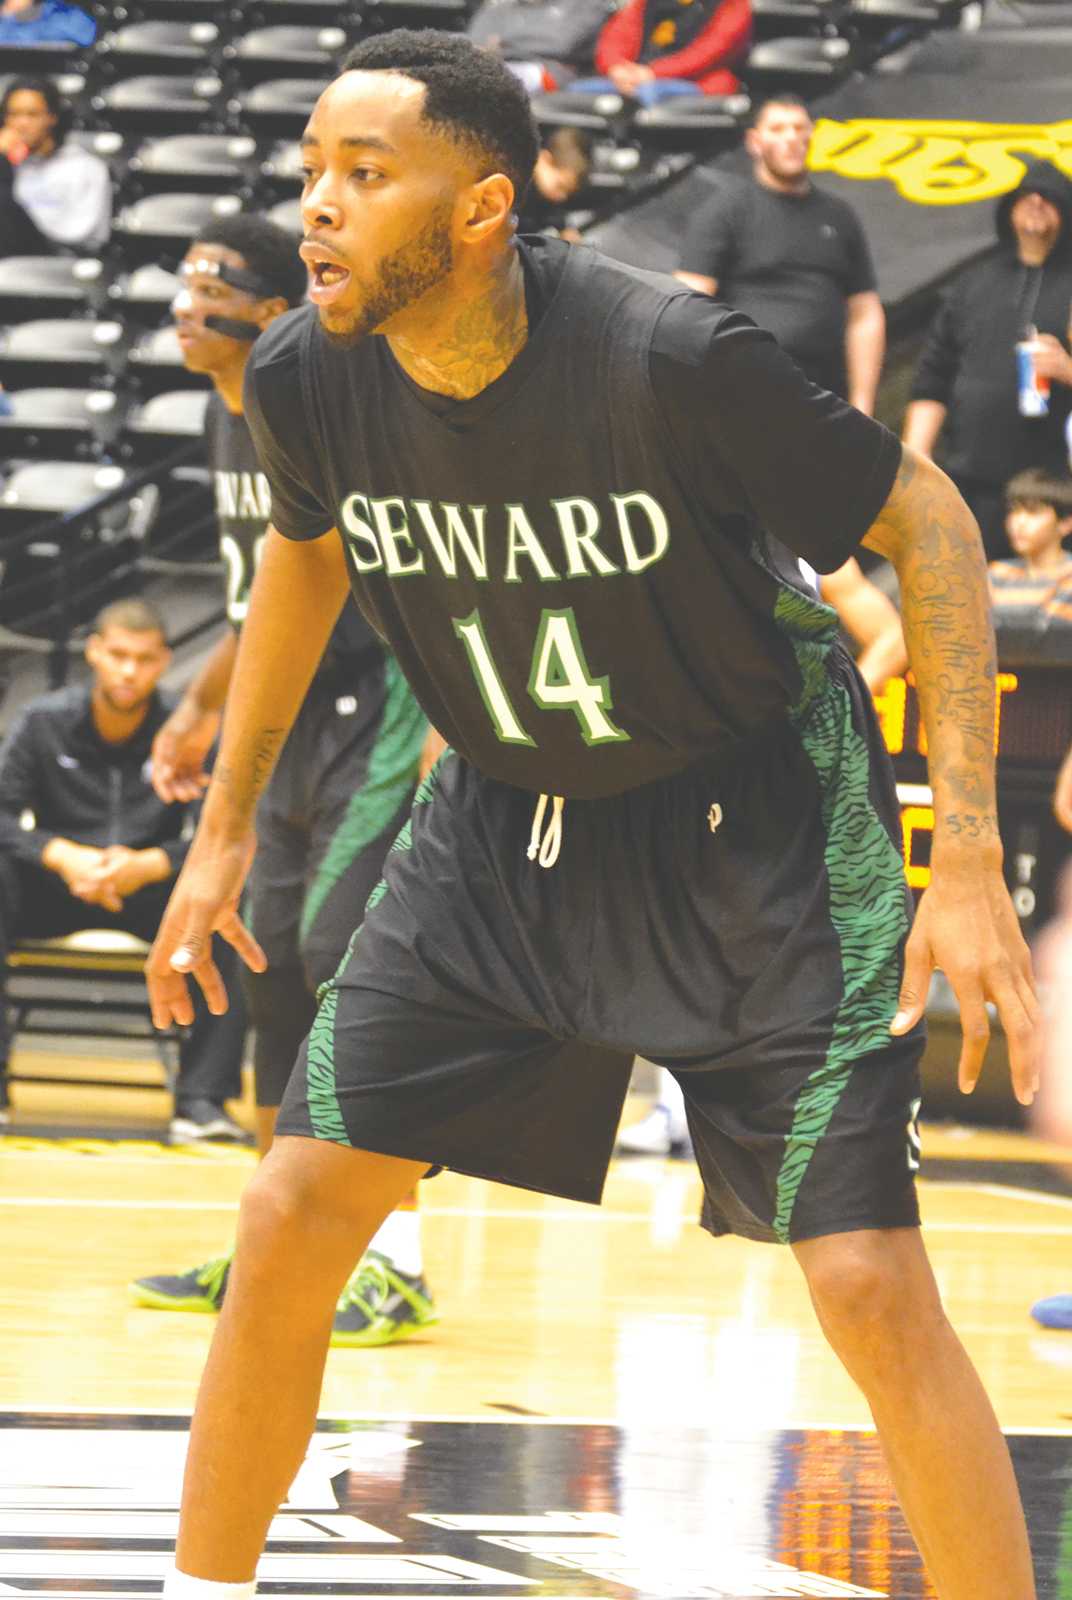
[(966, 385)]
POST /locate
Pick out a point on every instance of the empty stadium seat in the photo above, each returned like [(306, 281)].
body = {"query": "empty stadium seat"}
[(571, 108), (287, 52), (418, 13), (32, 284), (306, 13), (287, 214), (154, 363), (781, 19), (68, 422), (167, 222), (158, 47), (39, 60), (704, 123), (37, 491), (193, 161), (280, 170), (164, 422), (50, 352), (281, 106), (160, 103), (176, 10), (144, 295), (875, 22), (805, 66)]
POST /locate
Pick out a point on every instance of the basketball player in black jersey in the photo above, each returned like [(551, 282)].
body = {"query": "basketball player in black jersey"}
[(664, 822), (340, 792)]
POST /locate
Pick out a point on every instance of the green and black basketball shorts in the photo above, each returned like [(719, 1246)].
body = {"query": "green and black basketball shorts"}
[(742, 924)]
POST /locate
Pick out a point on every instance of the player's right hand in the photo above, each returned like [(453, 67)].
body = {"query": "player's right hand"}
[(204, 901), (179, 751)]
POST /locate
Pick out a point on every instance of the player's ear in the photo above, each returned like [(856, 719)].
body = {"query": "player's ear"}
[(490, 206), (93, 647), (751, 141)]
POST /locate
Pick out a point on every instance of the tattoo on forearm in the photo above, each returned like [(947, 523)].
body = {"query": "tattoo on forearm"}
[(946, 615), (243, 787)]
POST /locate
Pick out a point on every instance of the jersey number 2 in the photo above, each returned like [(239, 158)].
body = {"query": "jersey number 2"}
[(559, 680)]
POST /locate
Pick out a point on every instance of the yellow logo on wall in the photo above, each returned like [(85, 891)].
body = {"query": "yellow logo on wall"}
[(939, 163)]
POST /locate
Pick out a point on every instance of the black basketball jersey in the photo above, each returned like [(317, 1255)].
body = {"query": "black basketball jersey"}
[(571, 566), (243, 507)]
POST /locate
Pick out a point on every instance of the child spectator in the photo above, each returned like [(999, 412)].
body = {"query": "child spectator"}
[(1034, 589)]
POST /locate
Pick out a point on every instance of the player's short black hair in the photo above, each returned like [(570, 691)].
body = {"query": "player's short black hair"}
[(786, 99), (268, 250), (470, 95), (1036, 484), (134, 614), (58, 107)]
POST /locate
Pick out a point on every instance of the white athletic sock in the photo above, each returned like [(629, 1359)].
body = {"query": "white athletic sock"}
[(673, 1103), (399, 1239), (180, 1586)]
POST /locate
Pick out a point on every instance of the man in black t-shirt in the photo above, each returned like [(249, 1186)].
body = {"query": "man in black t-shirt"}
[(665, 821), (341, 790), (791, 257)]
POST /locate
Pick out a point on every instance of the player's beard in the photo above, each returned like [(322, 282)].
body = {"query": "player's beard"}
[(401, 280)]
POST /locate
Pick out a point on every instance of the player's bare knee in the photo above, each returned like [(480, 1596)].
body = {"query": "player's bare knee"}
[(856, 1288)]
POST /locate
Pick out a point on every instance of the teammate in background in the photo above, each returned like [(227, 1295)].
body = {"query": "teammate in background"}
[(873, 622), (343, 785), (794, 258), (666, 821), (1033, 590)]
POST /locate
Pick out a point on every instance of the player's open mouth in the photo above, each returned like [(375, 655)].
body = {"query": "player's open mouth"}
[(327, 280)]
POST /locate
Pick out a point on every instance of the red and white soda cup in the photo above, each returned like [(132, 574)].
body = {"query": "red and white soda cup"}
[(1033, 389)]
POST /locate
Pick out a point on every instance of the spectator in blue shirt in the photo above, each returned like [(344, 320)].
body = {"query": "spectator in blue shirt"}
[(44, 22)]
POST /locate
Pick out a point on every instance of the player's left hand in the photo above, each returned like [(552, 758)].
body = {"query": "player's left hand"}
[(966, 926)]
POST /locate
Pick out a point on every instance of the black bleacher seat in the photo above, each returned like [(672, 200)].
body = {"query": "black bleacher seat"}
[(280, 107), (782, 19), (144, 295), (162, 423), (418, 13), (280, 170), (167, 222), (570, 108), (877, 27), (160, 103), (706, 123), (158, 47), (287, 214), (806, 66), (37, 491), (59, 284), (68, 422), (287, 52), (154, 363), (39, 60), (304, 13), (64, 353), (193, 162), (175, 10)]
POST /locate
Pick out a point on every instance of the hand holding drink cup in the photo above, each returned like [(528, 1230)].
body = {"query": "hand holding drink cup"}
[(1033, 384)]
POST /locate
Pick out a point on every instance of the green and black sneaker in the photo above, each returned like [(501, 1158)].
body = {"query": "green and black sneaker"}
[(200, 1289), (381, 1305)]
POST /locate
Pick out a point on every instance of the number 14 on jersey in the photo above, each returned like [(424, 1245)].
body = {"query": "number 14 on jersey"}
[(559, 680)]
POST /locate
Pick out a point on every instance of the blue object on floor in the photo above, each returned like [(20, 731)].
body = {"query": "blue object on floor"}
[(1055, 1312)]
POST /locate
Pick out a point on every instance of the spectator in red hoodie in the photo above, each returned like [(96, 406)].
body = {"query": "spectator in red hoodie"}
[(651, 50)]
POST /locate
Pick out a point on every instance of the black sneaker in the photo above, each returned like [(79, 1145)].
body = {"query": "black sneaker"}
[(200, 1289), (203, 1122), (381, 1305)]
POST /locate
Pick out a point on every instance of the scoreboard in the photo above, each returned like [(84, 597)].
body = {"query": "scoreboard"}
[(1033, 732)]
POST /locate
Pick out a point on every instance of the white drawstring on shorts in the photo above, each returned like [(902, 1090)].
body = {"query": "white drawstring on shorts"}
[(545, 850)]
